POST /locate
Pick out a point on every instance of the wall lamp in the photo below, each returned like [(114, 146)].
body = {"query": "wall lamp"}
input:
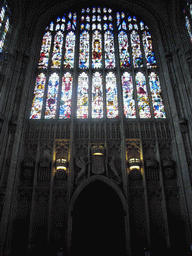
[(134, 163), (61, 164)]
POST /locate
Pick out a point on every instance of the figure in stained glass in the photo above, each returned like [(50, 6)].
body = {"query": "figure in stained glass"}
[(142, 96), (38, 97), (111, 96), (52, 94), (123, 50), (96, 49), (84, 50), (109, 50), (148, 49), (69, 50), (157, 101), (66, 94), (82, 96), (45, 50), (97, 96), (128, 96), (136, 49), (57, 50)]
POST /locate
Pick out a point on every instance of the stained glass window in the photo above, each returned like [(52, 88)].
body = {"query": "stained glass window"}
[(4, 24), (188, 18), (142, 96), (38, 97), (96, 49), (66, 95), (84, 50), (69, 50), (111, 96), (82, 96), (97, 96), (128, 95), (57, 50), (157, 101), (100, 54), (52, 94)]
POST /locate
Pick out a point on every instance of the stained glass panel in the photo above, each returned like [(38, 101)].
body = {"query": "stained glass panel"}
[(148, 49), (2, 41), (142, 96), (128, 96), (45, 50), (51, 101), (111, 96), (96, 49), (97, 96), (82, 96), (37, 104), (2, 14), (187, 23), (136, 49), (69, 50), (109, 50), (66, 94), (84, 50), (157, 101), (123, 50), (57, 50)]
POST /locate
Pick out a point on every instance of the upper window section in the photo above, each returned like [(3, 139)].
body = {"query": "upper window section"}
[(4, 24), (94, 62)]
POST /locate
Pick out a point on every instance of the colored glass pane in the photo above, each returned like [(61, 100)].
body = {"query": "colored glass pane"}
[(93, 18), (123, 50), (148, 49), (57, 50), (66, 94), (105, 26), (97, 96), (118, 18), (157, 101), (136, 49), (141, 25), (2, 14), (111, 96), (82, 96), (45, 50), (187, 23), (69, 50), (37, 104), (142, 96), (84, 50), (2, 41), (75, 19), (128, 96), (109, 50), (99, 26), (51, 26), (124, 26), (69, 25), (51, 102), (96, 49)]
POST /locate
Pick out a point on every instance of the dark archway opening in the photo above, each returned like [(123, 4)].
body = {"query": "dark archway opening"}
[(98, 222)]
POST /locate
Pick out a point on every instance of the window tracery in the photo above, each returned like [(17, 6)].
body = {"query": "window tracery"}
[(4, 24), (109, 46)]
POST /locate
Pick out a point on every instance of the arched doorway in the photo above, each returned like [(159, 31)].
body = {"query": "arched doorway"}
[(98, 222)]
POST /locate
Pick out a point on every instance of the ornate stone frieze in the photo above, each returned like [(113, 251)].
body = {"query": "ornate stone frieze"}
[(155, 192)]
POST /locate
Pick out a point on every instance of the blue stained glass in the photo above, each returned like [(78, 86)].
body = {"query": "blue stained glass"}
[(97, 96), (84, 50), (96, 49), (66, 94), (57, 50), (109, 50), (124, 50), (111, 96), (82, 96), (52, 94)]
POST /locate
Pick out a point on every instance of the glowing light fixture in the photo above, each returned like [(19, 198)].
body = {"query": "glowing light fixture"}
[(98, 154), (134, 163), (61, 164)]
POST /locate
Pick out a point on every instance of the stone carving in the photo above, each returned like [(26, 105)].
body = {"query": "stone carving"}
[(82, 164), (112, 167)]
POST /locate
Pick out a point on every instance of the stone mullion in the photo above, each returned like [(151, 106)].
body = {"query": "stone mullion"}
[(164, 207), (33, 196)]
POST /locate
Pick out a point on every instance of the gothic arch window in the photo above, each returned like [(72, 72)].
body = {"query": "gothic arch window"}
[(4, 24), (103, 57), (188, 18)]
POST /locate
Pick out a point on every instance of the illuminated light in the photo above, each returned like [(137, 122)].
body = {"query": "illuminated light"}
[(134, 163), (97, 154), (61, 164)]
